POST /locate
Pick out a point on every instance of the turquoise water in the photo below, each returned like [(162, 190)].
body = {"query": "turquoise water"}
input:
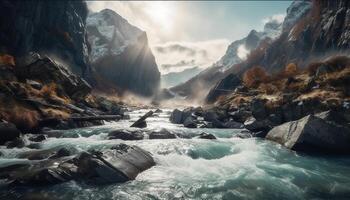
[(227, 168)]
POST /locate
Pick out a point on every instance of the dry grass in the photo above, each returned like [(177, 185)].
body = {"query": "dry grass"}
[(55, 113), (23, 116), (254, 76)]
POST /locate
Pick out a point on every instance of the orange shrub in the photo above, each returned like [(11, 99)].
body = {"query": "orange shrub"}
[(291, 69), (7, 59), (254, 76)]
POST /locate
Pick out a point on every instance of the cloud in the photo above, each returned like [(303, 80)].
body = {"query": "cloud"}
[(242, 52), (274, 18), (177, 56)]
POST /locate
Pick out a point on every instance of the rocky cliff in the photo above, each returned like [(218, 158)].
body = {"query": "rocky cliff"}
[(236, 53), (323, 30), (56, 29), (120, 54)]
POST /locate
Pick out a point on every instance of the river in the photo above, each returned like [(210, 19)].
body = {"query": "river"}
[(226, 168)]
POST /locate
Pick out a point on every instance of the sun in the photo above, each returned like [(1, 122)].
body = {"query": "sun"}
[(162, 14)]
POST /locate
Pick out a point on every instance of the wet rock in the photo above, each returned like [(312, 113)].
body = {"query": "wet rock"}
[(190, 123), (312, 134), (52, 133), (176, 117), (118, 164), (207, 136), (162, 134), (37, 138), (233, 124), (240, 115), (141, 123), (212, 117), (8, 132), (244, 134), (158, 111), (255, 125), (41, 154), (17, 143), (125, 135)]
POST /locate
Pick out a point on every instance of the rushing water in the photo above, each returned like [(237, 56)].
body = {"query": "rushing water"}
[(227, 168)]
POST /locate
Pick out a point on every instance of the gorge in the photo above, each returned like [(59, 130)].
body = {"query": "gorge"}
[(84, 113)]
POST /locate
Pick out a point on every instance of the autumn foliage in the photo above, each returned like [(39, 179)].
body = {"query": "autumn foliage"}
[(254, 76), (7, 60)]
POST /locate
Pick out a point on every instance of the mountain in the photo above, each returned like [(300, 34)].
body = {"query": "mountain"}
[(236, 52), (174, 78), (120, 55), (56, 29), (312, 31)]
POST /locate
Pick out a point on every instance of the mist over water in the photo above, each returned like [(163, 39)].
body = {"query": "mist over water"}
[(226, 168)]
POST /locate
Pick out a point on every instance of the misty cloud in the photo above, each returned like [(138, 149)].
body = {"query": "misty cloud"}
[(177, 56)]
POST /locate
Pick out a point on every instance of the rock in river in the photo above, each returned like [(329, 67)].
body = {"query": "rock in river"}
[(125, 135), (312, 134), (118, 164), (8, 132)]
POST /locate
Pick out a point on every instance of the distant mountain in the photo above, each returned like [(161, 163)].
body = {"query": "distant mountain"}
[(174, 78), (120, 54), (235, 53)]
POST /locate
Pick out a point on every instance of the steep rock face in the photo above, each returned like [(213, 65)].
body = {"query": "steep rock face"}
[(321, 31), (120, 53), (56, 29)]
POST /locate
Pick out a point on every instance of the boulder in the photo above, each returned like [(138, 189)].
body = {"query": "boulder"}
[(34, 84), (121, 163), (190, 123), (223, 87), (255, 125), (125, 135), (244, 134), (258, 109), (312, 134), (45, 70), (233, 124), (212, 117), (207, 136), (141, 123), (37, 138), (19, 142), (8, 132), (176, 117), (162, 134), (240, 115)]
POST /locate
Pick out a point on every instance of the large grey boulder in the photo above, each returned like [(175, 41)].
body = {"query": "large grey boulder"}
[(312, 134), (125, 135), (121, 163), (190, 123)]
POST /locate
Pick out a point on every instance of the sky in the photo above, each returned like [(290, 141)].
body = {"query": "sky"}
[(184, 34)]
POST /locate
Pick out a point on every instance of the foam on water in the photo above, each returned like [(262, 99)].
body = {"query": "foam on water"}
[(227, 168)]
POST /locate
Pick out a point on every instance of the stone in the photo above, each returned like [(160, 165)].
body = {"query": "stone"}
[(312, 134), (37, 138), (47, 71), (212, 117), (125, 135), (207, 136), (240, 115), (34, 84), (258, 109), (141, 123), (190, 123), (119, 164), (223, 87), (244, 134), (176, 116), (255, 125), (8, 132), (17, 143), (233, 124), (162, 134)]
